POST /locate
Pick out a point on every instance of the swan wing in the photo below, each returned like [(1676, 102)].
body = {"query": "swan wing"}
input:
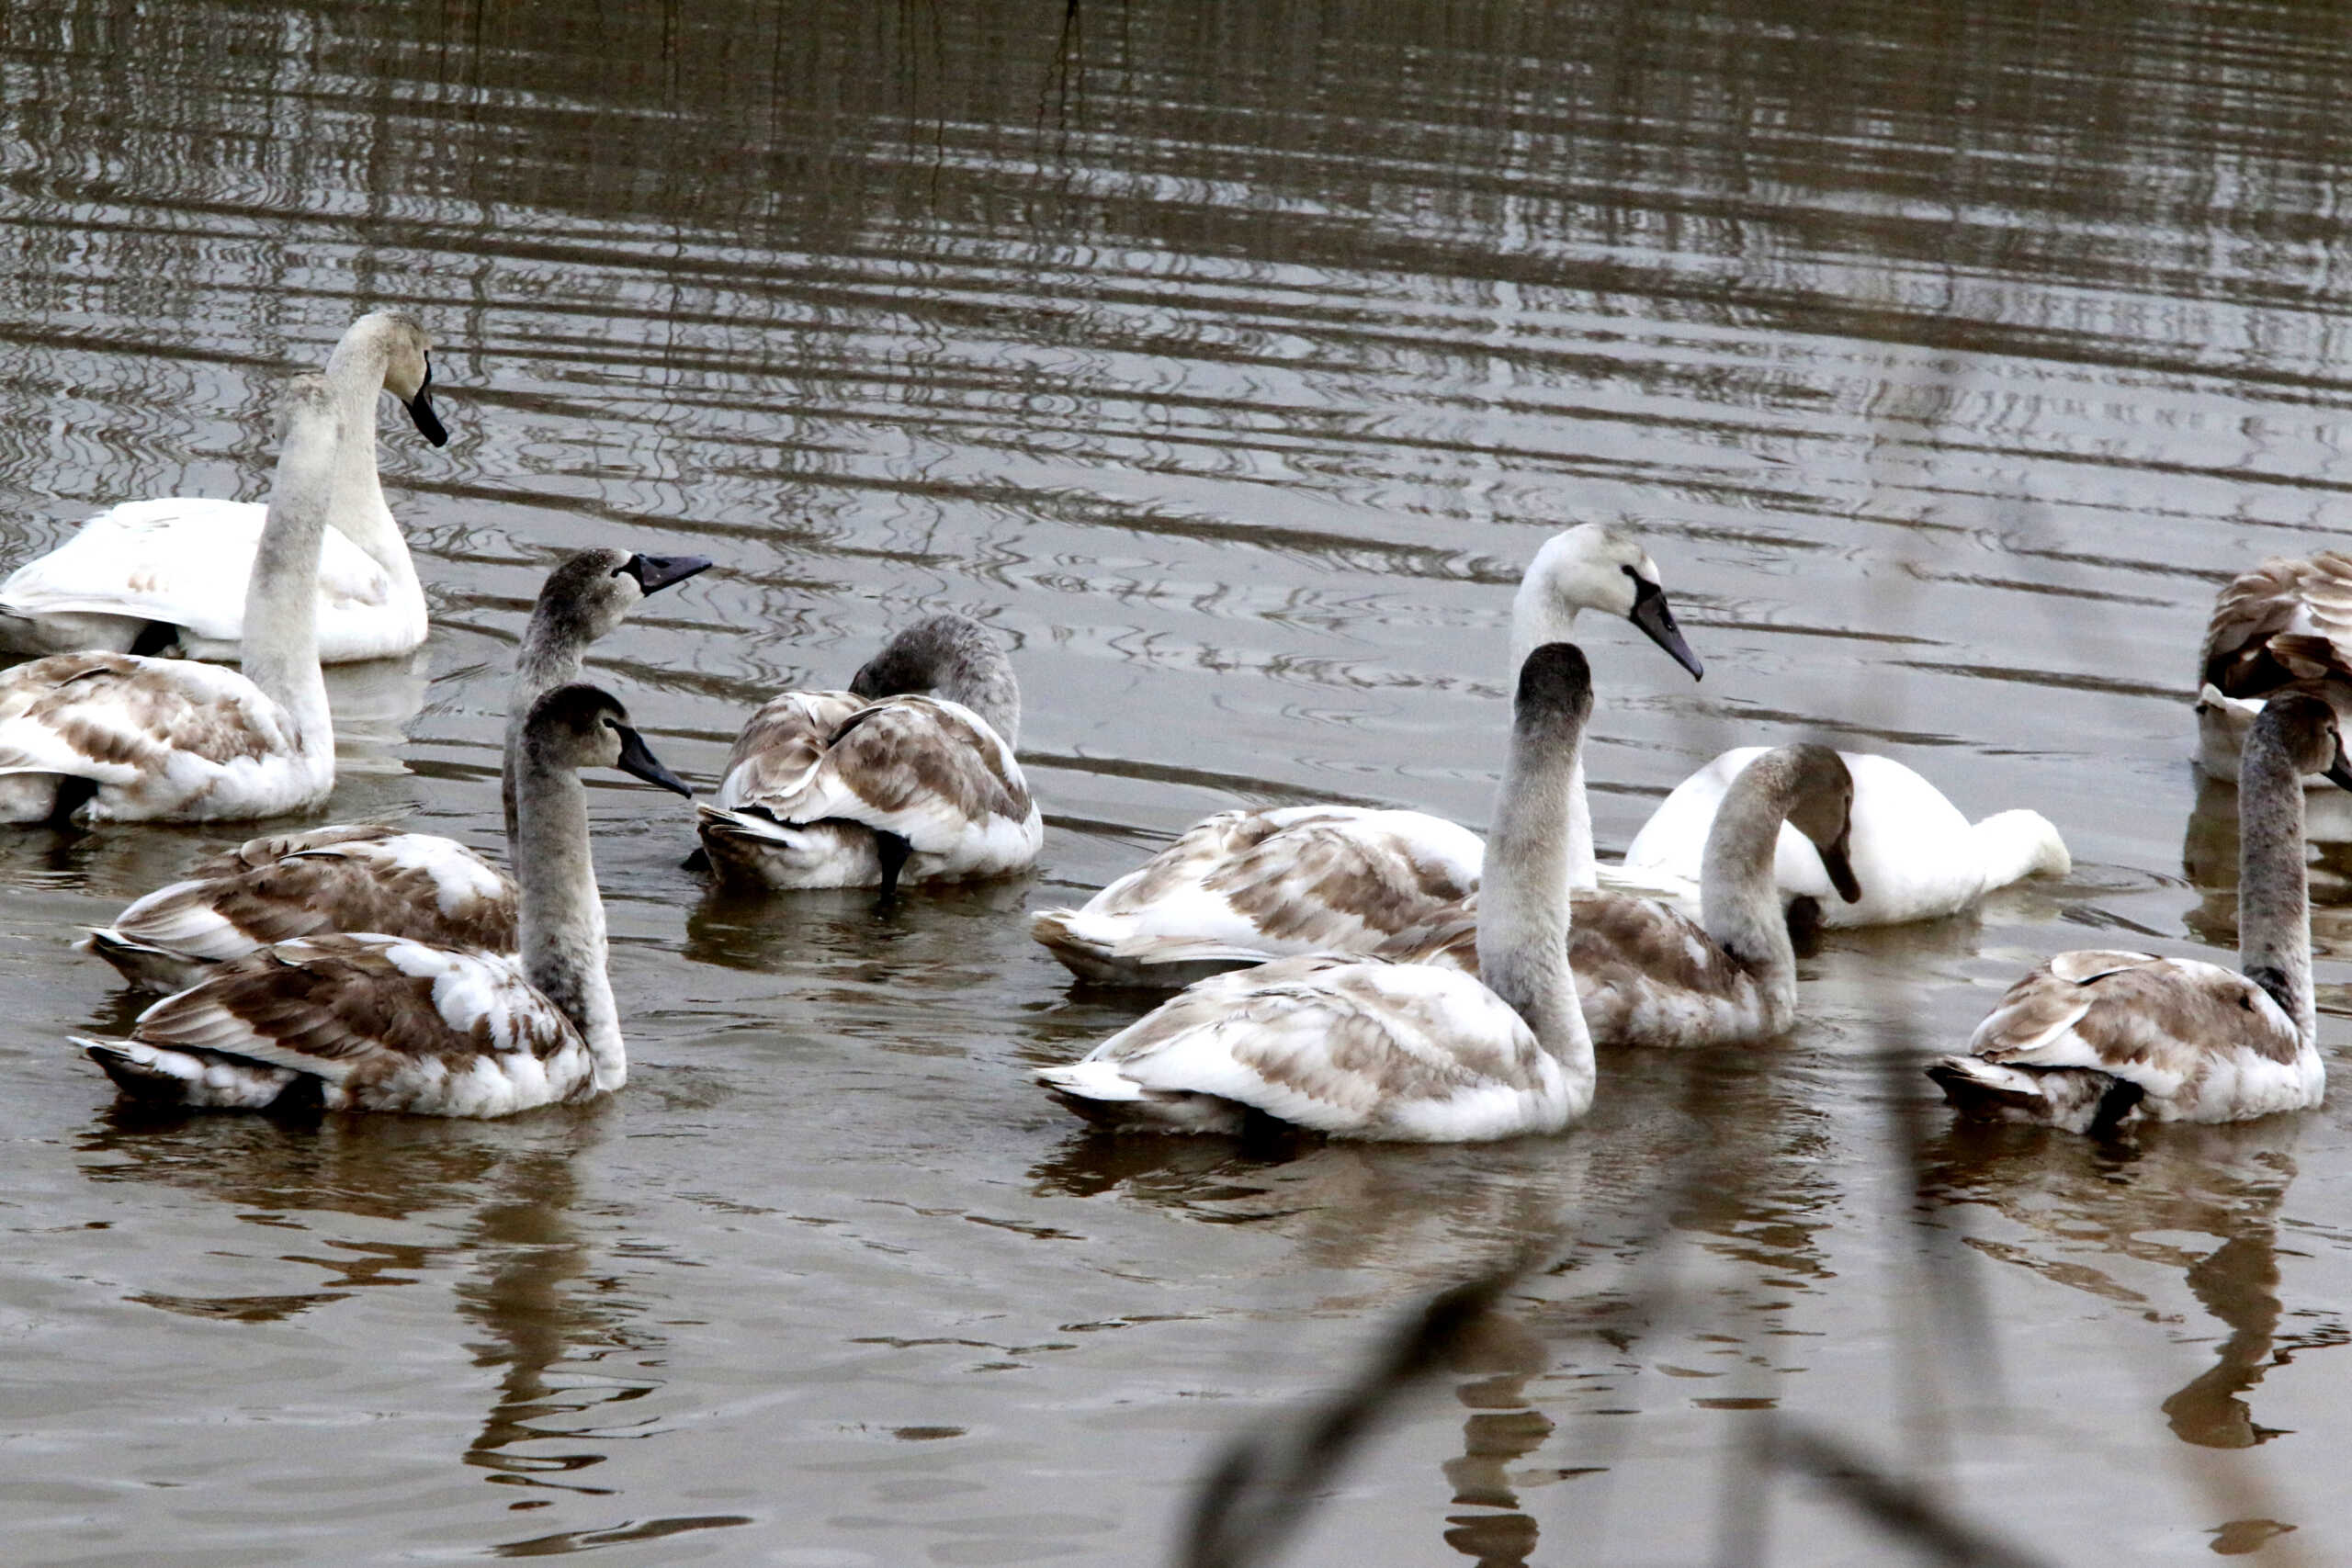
[(121, 719), (183, 561), (780, 747), (932, 772), (1338, 1044), (383, 1024)]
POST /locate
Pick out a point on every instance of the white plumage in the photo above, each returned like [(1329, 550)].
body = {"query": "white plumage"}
[(172, 573)]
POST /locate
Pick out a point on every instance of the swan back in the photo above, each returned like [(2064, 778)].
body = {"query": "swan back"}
[(952, 658)]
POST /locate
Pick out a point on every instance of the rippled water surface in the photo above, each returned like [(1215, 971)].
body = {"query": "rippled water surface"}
[(1231, 362)]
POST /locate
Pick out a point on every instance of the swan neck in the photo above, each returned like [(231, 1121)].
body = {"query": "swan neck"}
[(563, 918), (1739, 899), (1523, 912), (355, 375), (280, 655), (2274, 901)]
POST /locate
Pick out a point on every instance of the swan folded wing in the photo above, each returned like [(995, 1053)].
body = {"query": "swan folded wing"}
[(183, 561), (408, 884), (121, 719), (270, 848), (384, 1024), (781, 746), (932, 773), (2279, 599), (2185, 1031), (1349, 1046)]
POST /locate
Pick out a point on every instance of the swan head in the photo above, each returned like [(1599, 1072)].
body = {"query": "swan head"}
[(951, 657), (401, 344), (1822, 809), (2304, 722), (582, 725), (1555, 697), (1598, 566), (591, 592)]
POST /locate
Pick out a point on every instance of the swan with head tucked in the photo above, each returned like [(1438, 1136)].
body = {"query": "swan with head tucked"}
[(116, 737), (1363, 1048), (1245, 885), (1649, 974), (168, 576), (2096, 1041), (2286, 621), (908, 776), (373, 876), (1916, 857), (366, 1021)]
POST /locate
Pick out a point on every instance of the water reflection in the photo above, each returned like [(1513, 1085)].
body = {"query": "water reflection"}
[(2076, 1199)]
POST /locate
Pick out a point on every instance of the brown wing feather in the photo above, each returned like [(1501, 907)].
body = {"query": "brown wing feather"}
[(2242, 655)]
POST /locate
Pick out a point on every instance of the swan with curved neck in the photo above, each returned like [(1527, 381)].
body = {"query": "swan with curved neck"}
[(1244, 886), (2098, 1041), (109, 737), (367, 1022), (373, 876), (1649, 974), (163, 576), (907, 777), (1365, 1048)]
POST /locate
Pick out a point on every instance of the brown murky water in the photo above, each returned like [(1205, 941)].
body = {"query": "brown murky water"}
[(1230, 361)]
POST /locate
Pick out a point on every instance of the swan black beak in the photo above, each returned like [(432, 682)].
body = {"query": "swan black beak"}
[(1651, 614), (654, 573), (419, 409), (637, 760), (1840, 869), (2339, 772)]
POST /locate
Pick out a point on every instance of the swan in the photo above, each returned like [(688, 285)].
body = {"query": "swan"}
[(373, 876), (1647, 972), (1916, 857), (2286, 621), (1245, 885), (158, 576), (116, 736), (1363, 1048), (884, 783), (2093, 1042), (366, 1021)]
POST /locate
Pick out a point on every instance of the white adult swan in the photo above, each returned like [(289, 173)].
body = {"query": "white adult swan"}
[(168, 576), (373, 876), (1245, 885), (2095, 1041), (1359, 1047), (1647, 972), (908, 776), (365, 1021), (1916, 857), (2287, 620), (117, 737)]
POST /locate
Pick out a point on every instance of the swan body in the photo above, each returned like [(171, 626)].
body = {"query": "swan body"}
[(1360, 1047), (1915, 856), (372, 1021), (112, 737), (2096, 1041), (350, 877), (169, 575), (882, 784), (1244, 886), (2288, 620), (372, 877), (1648, 974)]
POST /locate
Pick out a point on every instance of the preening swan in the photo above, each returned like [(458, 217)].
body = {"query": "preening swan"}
[(367, 1022), (1360, 1047), (2095, 1041), (372, 877), (1916, 857), (1247, 886), (114, 737), (1648, 974), (169, 576), (2285, 621), (908, 776)]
